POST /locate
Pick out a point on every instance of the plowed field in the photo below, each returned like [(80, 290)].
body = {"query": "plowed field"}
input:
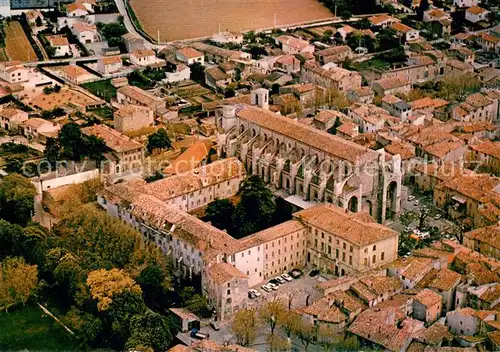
[(17, 46)]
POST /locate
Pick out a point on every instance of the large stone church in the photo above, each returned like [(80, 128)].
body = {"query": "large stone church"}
[(312, 164)]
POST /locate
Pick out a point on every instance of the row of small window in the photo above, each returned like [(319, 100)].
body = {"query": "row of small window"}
[(279, 252), (286, 239), (284, 258)]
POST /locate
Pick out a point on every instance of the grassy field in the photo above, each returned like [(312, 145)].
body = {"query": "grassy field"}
[(103, 89), (29, 328), (17, 46), (373, 63)]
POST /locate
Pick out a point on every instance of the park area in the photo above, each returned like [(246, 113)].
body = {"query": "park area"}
[(29, 328), (17, 45)]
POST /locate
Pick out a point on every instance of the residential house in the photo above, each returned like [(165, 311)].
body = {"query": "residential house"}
[(130, 118), (462, 53), (362, 95), (12, 119), (489, 42), (348, 130), (137, 96), (76, 74), (124, 155), (428, 175), (181, 73), (411, 271), (435, 14), (397, 107), (35, 128), (278, 78), (189, 56), (227, 289), (326, 119), (333, 54), (476, 14), (13, 72), (457, 67), (86, 33), (266, 64), (444, 282), (335, 77), (438, 145), (465, 3), (60, 44), (228, 37), (292, 45), (467, 321), (146, 57), (383, 21), (76, 9), (486, 155), (485, 240), (108, 65), (405, 31), (489, 77), (216, 78), (391, 86), (288, 64), (133, 43), (218, 55), (427, 306), (477, 107), (344, 31)]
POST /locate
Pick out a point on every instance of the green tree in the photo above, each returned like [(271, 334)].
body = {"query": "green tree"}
[(197, 72), (306, 333), (38, 22), (219, 213), (283, 211), (71, 142), (17, 195), (18, 282), (95, 148), (424, 6), (364, 24), (198, 304), (273, 313), (387, 39), (229, 93), (149, 329), (159, 140), (9, 238), (255, 210), (52, 150)]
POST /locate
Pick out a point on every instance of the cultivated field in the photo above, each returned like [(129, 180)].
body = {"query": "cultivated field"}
[(17, 46), (200, 18)]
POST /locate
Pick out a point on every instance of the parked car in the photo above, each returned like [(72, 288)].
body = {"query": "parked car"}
[(280, 280), (266, 288), (437, 217), (416, 202), (313, 272), (273, 286), (274, 281), (296, 273), (198, 334), (286, 277), (410, 198), (255, 292), (215, 325)]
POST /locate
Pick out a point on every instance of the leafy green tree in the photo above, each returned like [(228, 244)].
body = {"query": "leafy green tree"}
[(364, 24), (197, 72), (255, 210), (198, 304), (52, 150), (71, 142), (9, 237), (159, 140), (229, 93), (95, 147), (244, 326), (149, 329), (283, 211), (219, 213), (17, 195), (387, 39), (38, 22), (152, 281), (257, 51)]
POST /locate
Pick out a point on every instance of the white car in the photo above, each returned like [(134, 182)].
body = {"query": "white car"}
[(266, 288), (286, 277), (255, 292), (437, 217), (416, 202), (280, 280), (410, 198), (272, 286)]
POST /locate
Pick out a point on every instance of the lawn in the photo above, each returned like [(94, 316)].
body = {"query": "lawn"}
[(368, 64), (29, 328), (103, 89), (105, 113)]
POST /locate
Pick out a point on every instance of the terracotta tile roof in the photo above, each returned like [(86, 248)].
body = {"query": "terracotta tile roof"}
[(114, 140), (272, 233), (217, 74), (405, 150), (348, 128), (428, 298), (221, 273), (334, 50), (143, 53), (379, 326), (379, 19), (400, 27), (325, 116), (437, 13), (57, 40), (75, 6), (441, 149), (84, 27), (363, 91), (112, 60), (428, 102), (489, 38), (443, 171), (293, 42), (390, 83), (489, 235), (494, 336), (190, 159), (74, 71), (416, 346), (207, 239), (324, 309), (476, 10), (382, 284), (347, 302), (335, 220), (139, 95), (416, 268), (36, 122), (336, 74), (190, 53), (479, 187), (460, 65), (434, 334), (212, 346), (320, 140), (184, 313), (179, 348), (444, 279), (478, 100)]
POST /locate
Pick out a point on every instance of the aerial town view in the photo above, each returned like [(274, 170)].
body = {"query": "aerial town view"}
[(250, 175)]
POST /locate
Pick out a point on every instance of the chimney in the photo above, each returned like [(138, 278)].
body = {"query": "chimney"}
[(260, 98)]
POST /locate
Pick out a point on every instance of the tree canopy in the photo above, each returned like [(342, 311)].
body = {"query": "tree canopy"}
[(18, 282), (159, 140), (17, 195)]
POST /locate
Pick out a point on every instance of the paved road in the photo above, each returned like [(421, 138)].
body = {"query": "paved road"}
[(120, 4)]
